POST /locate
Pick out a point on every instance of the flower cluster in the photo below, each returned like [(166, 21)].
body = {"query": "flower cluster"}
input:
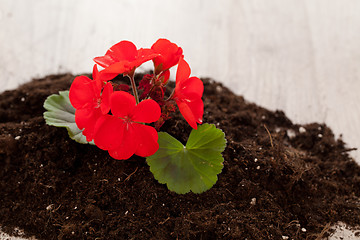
[(125, 124)]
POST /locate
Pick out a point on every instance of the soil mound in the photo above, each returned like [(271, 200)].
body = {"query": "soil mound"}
[(279, 179)]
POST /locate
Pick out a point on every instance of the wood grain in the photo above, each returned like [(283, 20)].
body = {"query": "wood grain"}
[(302, 57)]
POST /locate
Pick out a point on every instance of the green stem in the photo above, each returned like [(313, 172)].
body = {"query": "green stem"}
[(133, 86)]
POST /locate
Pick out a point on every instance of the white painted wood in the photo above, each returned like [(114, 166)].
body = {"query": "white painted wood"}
[(302, 57)]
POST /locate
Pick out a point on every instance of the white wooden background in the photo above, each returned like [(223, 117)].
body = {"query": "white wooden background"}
[(302, 57)]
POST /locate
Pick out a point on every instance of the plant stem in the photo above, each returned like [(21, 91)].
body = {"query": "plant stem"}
[(133, 86), (171, 95)]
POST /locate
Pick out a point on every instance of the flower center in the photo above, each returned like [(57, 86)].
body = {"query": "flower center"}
[(127, 119), (97, 102)]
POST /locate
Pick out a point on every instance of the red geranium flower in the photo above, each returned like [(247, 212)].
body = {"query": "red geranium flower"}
[(123, 58), (170, 54), (123, 133), (188, 93), (90, 101)]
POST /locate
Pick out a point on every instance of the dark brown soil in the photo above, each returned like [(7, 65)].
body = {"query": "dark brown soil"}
[(288, 183)]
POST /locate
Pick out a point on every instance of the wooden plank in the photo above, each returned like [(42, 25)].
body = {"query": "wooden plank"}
[(298, 56)]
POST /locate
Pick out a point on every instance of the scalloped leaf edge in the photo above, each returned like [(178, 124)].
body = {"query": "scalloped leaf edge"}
[(164, 154), (60, 113)]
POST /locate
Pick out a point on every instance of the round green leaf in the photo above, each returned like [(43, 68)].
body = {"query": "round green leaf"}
[(193, 167), (60, 113)]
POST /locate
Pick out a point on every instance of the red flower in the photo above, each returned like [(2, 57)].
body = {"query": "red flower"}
[(123, 58), (170, 55), (90, 104), (123, 133), (188, 93)]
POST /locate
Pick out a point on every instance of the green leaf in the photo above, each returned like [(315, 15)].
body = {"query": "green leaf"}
[(60, 113), (193, 167)]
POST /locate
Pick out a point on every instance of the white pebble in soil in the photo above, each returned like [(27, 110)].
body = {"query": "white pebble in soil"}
[(291, 133), (302, 130)]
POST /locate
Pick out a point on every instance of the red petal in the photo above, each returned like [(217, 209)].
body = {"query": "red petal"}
[(109, 131), (129, 143), (183, 71), (146, 54), (98, 78), (166, 76), (107, 76), (191, 88), (170, 53), (105, 98), (81, 92), (187, 114), (192, 111), (86, 119), (122, 67), (124, 50), (197, 109), (122, 58), (148, 137), (104, 61), (146, 111), (95, 73), (122, 104), (81, 117)]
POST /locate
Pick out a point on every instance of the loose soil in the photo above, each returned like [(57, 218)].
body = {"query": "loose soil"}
[(293, 181)]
